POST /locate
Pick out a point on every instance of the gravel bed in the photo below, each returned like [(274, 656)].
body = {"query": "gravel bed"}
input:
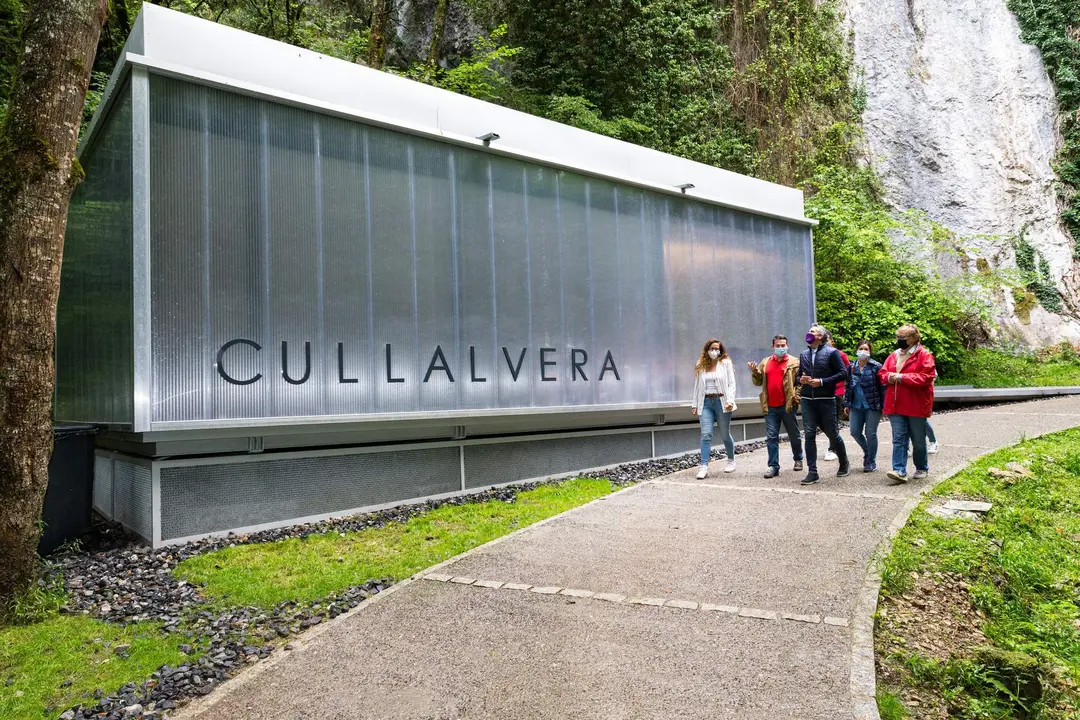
[(220, 643)]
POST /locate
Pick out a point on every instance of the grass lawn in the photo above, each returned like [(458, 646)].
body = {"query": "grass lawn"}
[(319, 565), (37, 660), (989, 368), (49, 665), (981, 618)]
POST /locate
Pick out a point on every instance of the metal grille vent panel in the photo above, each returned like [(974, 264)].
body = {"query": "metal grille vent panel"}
[(509, 462), (200, 499), (755, 430), (672, 442), (132, 498), (103, 485)]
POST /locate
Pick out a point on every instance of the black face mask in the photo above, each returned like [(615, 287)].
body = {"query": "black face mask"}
[(901, 344)]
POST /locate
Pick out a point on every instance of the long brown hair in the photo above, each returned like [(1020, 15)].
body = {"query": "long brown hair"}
[(705, 362)]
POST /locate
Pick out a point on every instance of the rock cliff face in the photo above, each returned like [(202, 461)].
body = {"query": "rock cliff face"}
[(961, 121), (412, 26)]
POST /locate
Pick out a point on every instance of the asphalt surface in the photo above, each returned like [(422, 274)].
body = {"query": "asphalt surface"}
[(760, 578)]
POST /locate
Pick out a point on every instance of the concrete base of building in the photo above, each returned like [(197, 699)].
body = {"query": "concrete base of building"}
[(175, 500)]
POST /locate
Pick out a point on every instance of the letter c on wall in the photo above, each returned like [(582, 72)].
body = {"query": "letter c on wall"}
[(221, 364)]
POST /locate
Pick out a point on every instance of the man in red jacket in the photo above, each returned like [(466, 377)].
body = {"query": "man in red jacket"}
[(908, 375)]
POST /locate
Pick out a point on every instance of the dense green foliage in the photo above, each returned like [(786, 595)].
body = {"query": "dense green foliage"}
[(337, 29), (753, 86), (867, 289), (482, 75), (985, 368), (1053, 26), (1037, 275), (1019, 569), (10, 24), (653, 73)]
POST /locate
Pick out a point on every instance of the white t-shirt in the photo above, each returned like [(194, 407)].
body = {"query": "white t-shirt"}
[(712, 381)]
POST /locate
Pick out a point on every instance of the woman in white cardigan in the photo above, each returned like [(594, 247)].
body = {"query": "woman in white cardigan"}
[(714, 401)]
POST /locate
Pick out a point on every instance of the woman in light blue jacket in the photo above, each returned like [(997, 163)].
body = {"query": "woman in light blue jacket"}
[(714, 401)]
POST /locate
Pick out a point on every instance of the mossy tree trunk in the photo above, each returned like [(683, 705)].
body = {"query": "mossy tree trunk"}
[(380, 22), (438, 29), (38, 172)]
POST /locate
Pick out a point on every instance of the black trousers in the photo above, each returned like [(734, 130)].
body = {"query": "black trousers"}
[(821, 414)]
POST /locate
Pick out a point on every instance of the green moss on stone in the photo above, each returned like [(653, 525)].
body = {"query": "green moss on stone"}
[(1024, 301)]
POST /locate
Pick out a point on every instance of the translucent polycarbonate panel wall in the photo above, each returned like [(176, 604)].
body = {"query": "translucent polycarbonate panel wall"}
[(307, 265), (94, 316)]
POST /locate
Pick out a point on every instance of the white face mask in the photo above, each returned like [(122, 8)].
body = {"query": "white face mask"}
[(714, 354)]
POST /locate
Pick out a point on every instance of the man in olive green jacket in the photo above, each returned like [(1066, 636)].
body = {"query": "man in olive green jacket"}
[(779, 398)]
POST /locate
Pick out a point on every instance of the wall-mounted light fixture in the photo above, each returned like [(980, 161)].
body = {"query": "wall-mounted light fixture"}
[(684, 187), (487, 138)]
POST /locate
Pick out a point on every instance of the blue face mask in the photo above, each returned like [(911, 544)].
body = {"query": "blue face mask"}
[(780, 352), (863, 353)]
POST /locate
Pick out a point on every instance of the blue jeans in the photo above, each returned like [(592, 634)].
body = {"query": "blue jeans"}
[(861, 419), (821, 414), (773, 419), (930, 432), (904, 428), (713, 412)]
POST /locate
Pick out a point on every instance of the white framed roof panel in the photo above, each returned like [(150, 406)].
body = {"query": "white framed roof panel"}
[(181, 45)]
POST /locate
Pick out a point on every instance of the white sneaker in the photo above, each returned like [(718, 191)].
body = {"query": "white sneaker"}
[(931, 447), (830, 455), (703, 472), (730, 467)]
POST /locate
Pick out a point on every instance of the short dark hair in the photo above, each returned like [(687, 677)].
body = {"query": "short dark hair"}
[(865, 342), (779, 337)]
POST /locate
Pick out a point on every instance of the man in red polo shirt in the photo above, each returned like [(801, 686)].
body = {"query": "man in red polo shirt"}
[(779, 398)]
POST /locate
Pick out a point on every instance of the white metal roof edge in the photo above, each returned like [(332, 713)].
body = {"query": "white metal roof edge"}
[(252, 90)]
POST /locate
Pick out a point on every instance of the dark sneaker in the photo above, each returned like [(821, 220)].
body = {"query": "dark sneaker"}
[(798, 466), (811, 478), (773, 472), (896, 477), (869, 468), (844, 470)]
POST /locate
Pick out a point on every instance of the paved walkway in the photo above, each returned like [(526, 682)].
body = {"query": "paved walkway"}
[(732, 597)]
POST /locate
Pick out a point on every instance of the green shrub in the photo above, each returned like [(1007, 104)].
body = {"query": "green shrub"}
[(890, 707), (1037, 275), (1015, 675), (984, 367), (1071, 462), (864, 289)]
